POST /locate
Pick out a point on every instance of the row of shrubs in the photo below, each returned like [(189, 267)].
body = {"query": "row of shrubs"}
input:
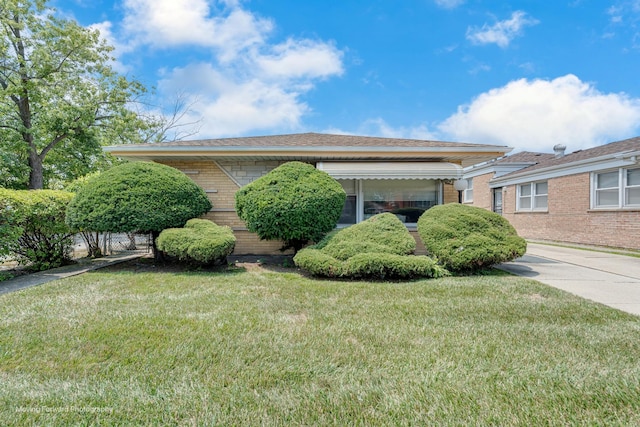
[(294, 203), (460, 239)]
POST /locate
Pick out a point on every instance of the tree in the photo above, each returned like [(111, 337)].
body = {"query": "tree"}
[(59, 97), (295, 203), (137, 197)]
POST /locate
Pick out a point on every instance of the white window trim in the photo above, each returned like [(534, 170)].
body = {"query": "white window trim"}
[(532, 197), (622, 189), (467, 195)]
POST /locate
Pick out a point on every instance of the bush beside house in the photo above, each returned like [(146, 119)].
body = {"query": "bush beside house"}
[(466, 238), (295, 203), (137, 197), (200, 242), (379, 248), (33, 229)]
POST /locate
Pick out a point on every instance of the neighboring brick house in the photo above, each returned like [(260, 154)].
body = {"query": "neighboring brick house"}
[(379, 174), (587, 197)]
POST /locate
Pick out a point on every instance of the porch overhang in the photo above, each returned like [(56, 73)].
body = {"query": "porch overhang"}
[(391, 170)]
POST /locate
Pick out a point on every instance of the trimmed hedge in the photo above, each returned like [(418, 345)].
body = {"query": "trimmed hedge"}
[(200, 242), (377, 248), (466, 238), (295, 203), (137, 197), (32, 227)]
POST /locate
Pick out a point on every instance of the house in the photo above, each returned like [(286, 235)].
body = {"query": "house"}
[(588, 196), (402, 176)]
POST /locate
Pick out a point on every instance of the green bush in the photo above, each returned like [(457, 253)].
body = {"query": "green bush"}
[(200, 242), (466, 238), (295, 203), (378, 248), (33, 229), (137, 197)]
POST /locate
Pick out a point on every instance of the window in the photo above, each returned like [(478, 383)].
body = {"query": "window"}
[(406, 198), (468, 193), (616, 189), (533, 196)]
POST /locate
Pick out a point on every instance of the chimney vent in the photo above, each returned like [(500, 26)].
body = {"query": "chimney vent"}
[(559, 150)]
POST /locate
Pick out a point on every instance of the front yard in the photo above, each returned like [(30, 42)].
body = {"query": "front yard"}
[(252, 346)]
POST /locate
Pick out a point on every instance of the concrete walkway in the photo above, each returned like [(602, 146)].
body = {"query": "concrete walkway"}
[(35, 279), (603, 277)]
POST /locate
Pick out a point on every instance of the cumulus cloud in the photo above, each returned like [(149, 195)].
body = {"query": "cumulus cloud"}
[(502, 32), (249, 83), (537, 114)]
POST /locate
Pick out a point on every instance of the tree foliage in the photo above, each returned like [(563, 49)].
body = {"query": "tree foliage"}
[(295, 203), (466, 238), (59, 97)]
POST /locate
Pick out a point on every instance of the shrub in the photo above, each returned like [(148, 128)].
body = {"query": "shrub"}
[(33, 227), (378, 248), (137, 197), (466, 238), (200, 242), (295, 203)]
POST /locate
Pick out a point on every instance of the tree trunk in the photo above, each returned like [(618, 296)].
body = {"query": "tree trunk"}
[(36, 180)]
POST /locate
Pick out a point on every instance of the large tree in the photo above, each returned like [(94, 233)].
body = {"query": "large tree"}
[(59, 96)]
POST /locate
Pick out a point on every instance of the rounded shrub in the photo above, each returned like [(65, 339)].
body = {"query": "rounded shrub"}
[(295, 203), (466, 238), (200, 242), (378, 248)]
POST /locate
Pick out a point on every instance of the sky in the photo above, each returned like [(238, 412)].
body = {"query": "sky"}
[(528, 74)]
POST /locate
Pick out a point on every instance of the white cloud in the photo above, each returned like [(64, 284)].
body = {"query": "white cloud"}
[(502, 32), (537, 114), (106, 33), (171, 23), (300, 59), (379, 127), (247, 83), (449, 4)]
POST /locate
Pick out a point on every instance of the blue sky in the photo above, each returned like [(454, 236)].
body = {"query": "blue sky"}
[(528, 74)]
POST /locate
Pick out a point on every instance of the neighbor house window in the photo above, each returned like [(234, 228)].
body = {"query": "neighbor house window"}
[(468, 193), (407, 199), (616, 189), (533, 196)]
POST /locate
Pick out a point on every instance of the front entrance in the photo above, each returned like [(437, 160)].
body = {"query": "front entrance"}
[(497, 200)]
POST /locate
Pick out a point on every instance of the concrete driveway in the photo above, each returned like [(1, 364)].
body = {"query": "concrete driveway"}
[(607, 278)]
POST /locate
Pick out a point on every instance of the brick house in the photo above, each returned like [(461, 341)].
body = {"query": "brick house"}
[(587, 197), (379, 174)]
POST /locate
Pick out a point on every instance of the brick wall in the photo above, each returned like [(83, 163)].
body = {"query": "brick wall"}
[(222, 179), (569, 218)]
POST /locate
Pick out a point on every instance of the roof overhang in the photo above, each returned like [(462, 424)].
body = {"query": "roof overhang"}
[(391, 170), (157, 152), (609, 161)]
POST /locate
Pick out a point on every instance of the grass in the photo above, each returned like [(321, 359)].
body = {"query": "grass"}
[(261, 347)]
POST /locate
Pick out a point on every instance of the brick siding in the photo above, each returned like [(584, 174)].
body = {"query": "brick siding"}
[(569, 218)]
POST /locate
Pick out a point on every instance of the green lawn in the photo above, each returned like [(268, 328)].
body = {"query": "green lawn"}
[(260, 347)]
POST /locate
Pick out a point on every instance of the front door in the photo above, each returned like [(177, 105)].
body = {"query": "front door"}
[(497, 200)]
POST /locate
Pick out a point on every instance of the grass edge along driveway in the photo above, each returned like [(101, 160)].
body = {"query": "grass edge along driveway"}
[(261, 347)]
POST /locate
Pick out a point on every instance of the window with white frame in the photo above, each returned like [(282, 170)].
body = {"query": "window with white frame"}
[(616, 189), (533, 196), (468, 193)]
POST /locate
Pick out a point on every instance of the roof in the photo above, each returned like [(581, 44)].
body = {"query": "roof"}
[(545, 165), (313, 147)]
